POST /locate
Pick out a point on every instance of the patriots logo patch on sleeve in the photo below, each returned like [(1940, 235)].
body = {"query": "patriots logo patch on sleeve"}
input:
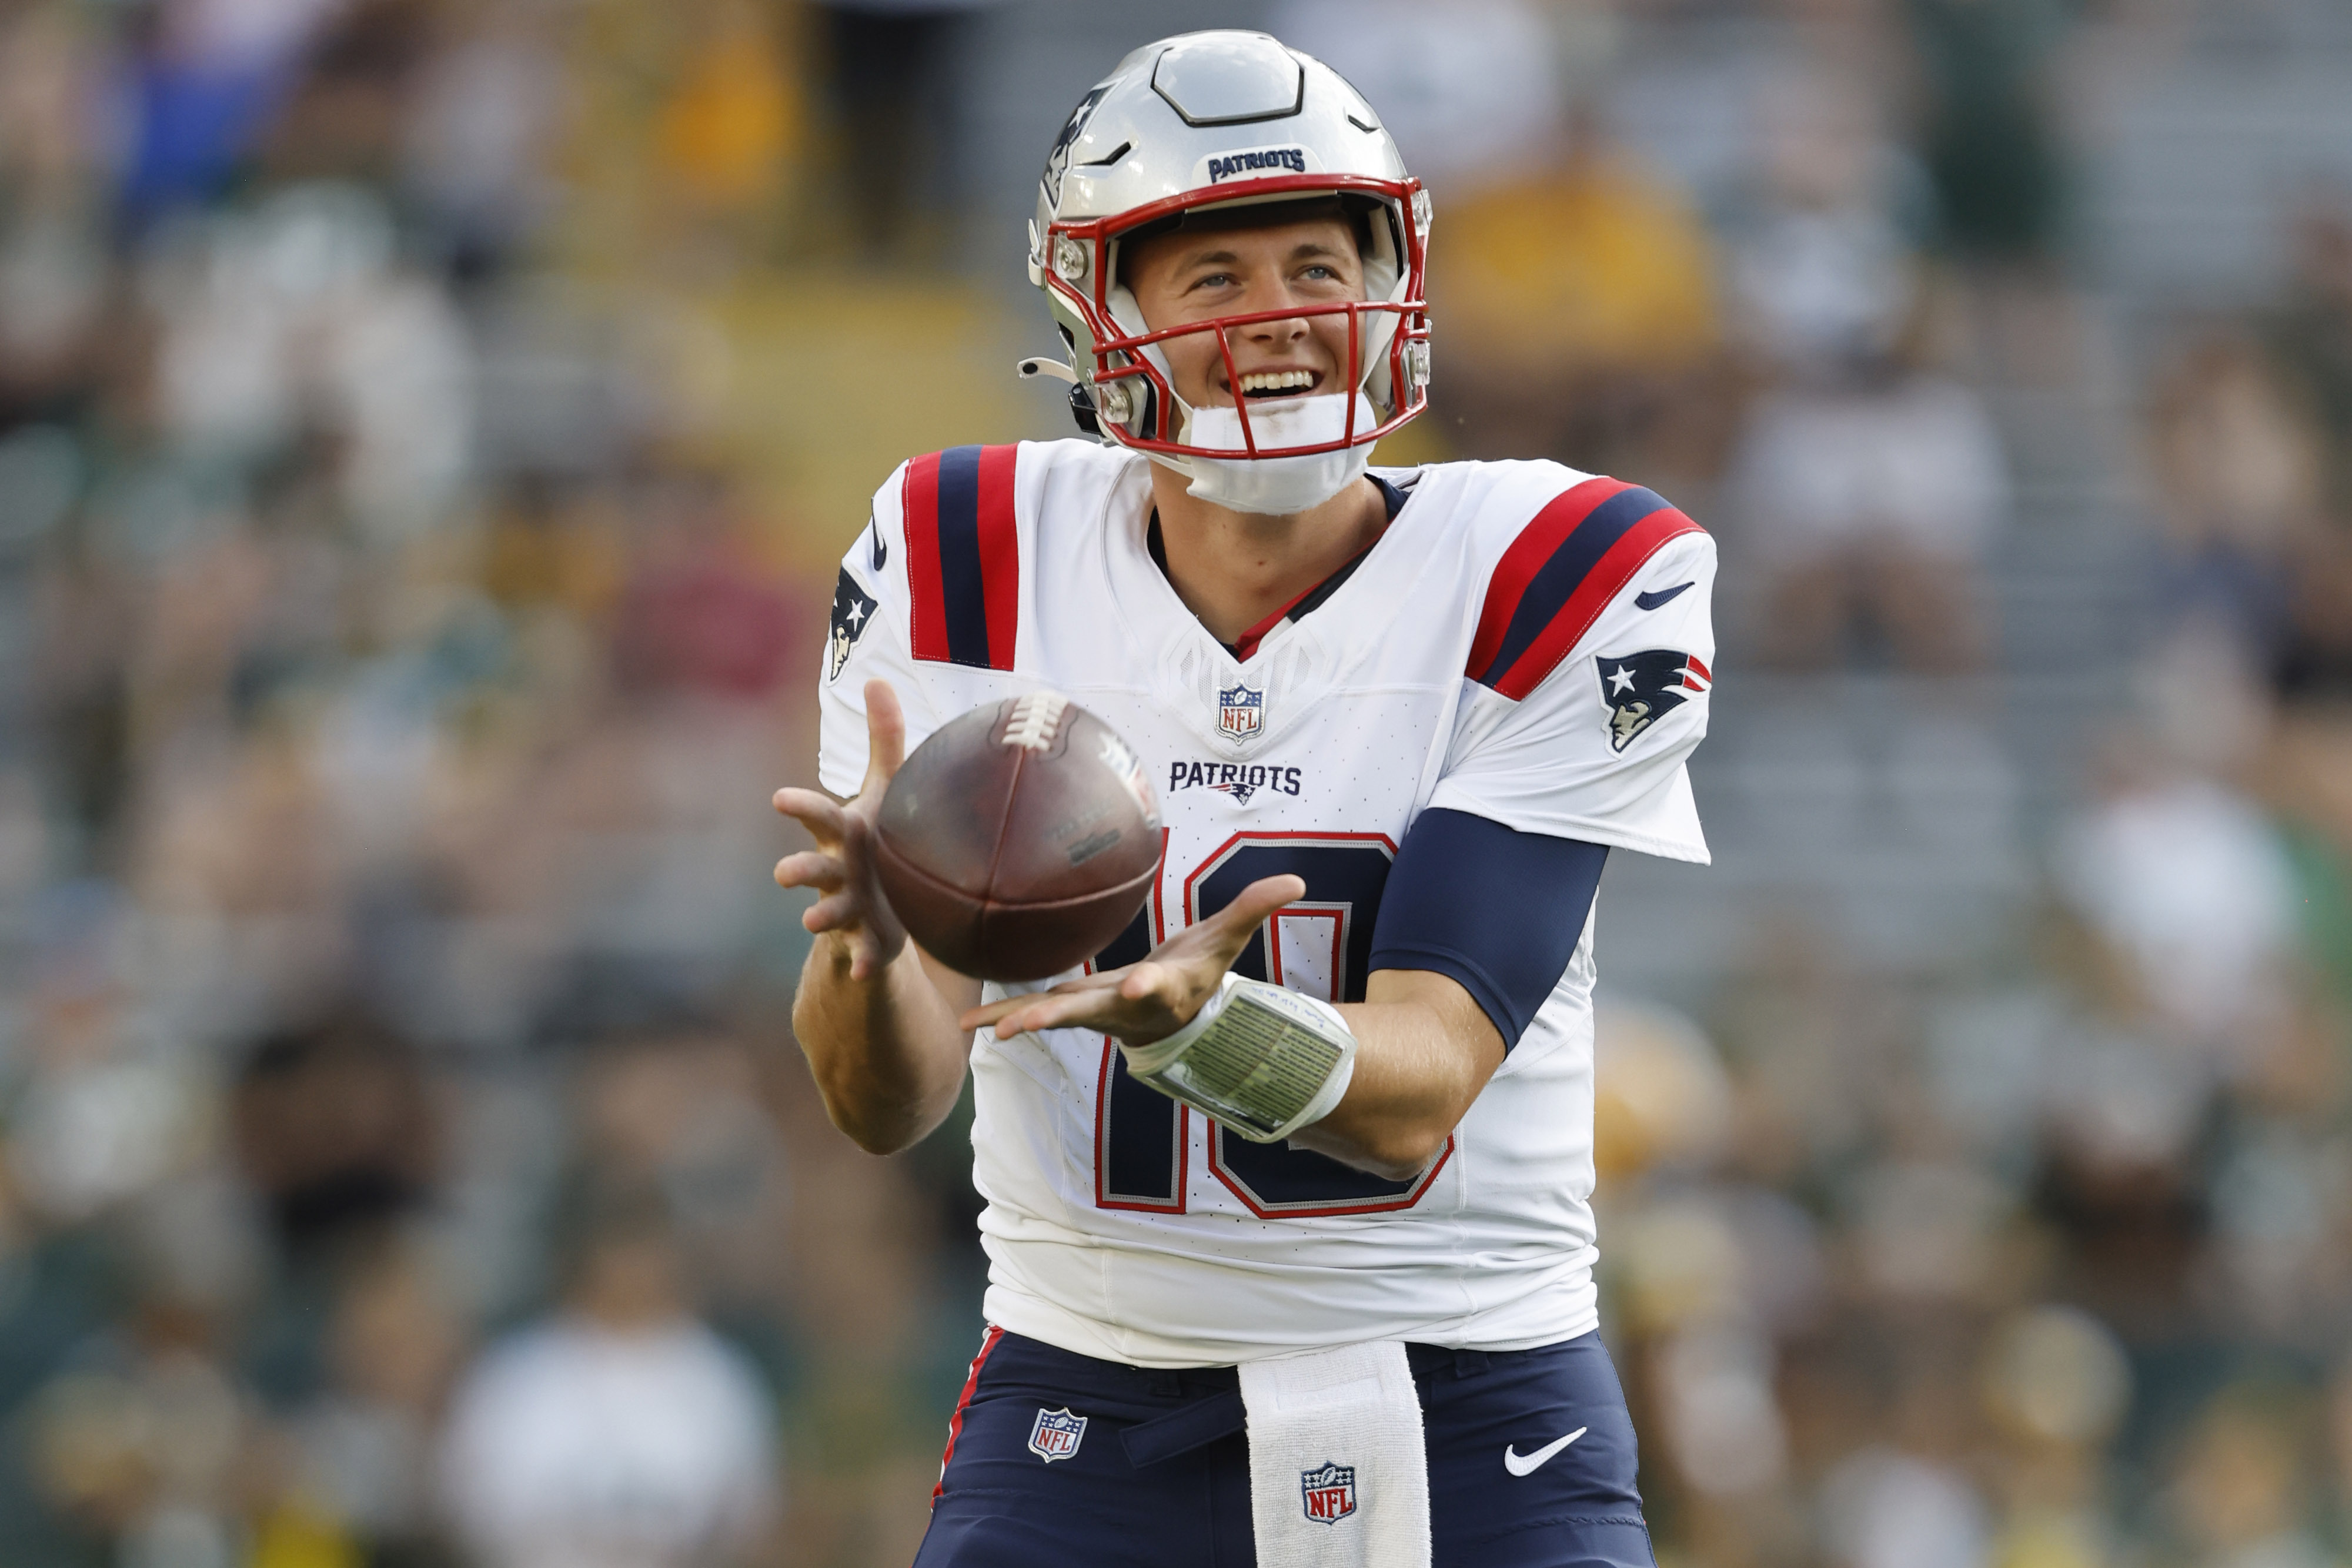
[(853, 612), (1642, 688)]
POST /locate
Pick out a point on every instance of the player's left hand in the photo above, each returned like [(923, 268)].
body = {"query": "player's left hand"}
[(1156, 996)]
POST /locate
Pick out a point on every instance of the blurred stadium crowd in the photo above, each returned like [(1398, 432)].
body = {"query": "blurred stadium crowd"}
[(425, 429)]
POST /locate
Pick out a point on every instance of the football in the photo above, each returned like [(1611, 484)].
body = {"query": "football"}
[(1019, 840)]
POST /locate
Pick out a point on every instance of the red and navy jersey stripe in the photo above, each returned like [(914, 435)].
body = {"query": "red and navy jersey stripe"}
[(1570, 560), (963, 556)]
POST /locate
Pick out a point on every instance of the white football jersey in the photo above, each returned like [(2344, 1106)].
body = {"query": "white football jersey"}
[(1525, 642)]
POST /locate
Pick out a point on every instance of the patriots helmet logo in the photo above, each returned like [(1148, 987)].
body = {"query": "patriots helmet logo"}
[(1058, 162), (853, 612), (1642, 688)]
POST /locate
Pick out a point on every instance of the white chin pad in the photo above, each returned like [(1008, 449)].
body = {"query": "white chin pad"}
[(1280, 421), (1279, 485)]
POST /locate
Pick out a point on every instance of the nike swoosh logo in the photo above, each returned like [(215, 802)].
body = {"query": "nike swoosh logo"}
[(881, 550), (1529, 1464), (1651, 601)]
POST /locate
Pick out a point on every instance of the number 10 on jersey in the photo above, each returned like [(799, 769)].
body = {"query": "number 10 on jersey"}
[(1320, 946)]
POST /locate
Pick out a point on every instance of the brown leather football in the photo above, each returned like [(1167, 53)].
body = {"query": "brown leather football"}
[(1019, 840)]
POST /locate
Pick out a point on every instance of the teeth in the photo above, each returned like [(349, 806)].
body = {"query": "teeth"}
[(1277, 381)]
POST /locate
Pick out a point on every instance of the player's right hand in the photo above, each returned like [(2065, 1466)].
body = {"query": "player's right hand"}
[(850, 910)]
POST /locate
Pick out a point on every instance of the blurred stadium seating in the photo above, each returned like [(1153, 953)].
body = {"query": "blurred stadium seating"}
[(427, 429)]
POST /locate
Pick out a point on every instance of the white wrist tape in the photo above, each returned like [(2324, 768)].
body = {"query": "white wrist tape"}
[(1261, 1060)]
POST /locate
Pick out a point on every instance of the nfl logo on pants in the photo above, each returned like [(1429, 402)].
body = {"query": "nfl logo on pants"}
[(1056, 1435), (1329, 1492)]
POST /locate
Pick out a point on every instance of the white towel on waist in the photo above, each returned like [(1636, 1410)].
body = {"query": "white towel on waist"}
[(1339, 1477)]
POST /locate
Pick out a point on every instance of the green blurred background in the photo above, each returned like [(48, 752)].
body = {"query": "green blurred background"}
[(426, 431)]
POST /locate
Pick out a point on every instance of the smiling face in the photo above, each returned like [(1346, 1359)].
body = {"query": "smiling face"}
[(1194, 275)]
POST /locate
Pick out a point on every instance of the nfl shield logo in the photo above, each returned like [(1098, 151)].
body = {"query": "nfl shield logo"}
[(1329, 1492), (1240, 711), (1056, 1434)]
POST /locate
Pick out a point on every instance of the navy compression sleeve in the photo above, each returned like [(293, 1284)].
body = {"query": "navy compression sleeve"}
[(1498, 911)]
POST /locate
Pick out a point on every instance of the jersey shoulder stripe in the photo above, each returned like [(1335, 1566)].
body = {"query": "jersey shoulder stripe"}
[(963, 556), (1568, 563)]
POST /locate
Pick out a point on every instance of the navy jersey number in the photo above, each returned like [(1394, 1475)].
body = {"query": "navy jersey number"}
[(1141, 1136), (1321, 945)]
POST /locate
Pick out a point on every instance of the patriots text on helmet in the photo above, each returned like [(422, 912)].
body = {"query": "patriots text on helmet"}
[(1261, 161)]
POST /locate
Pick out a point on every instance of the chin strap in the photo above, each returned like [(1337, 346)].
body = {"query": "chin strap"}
[(1279, 487), (1271, 486)]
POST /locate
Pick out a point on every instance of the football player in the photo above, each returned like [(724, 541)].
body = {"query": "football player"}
[(1272, 1279)]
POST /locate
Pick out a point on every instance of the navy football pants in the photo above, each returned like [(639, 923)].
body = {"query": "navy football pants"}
[(1159, 1477)]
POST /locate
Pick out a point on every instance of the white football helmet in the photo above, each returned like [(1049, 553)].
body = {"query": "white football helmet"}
[(1225, 119)]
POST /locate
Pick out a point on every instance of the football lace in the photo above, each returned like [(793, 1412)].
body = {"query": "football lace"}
[(1035, 717)]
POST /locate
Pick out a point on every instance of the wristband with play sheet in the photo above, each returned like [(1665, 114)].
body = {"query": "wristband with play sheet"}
[(1259, 1059)]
